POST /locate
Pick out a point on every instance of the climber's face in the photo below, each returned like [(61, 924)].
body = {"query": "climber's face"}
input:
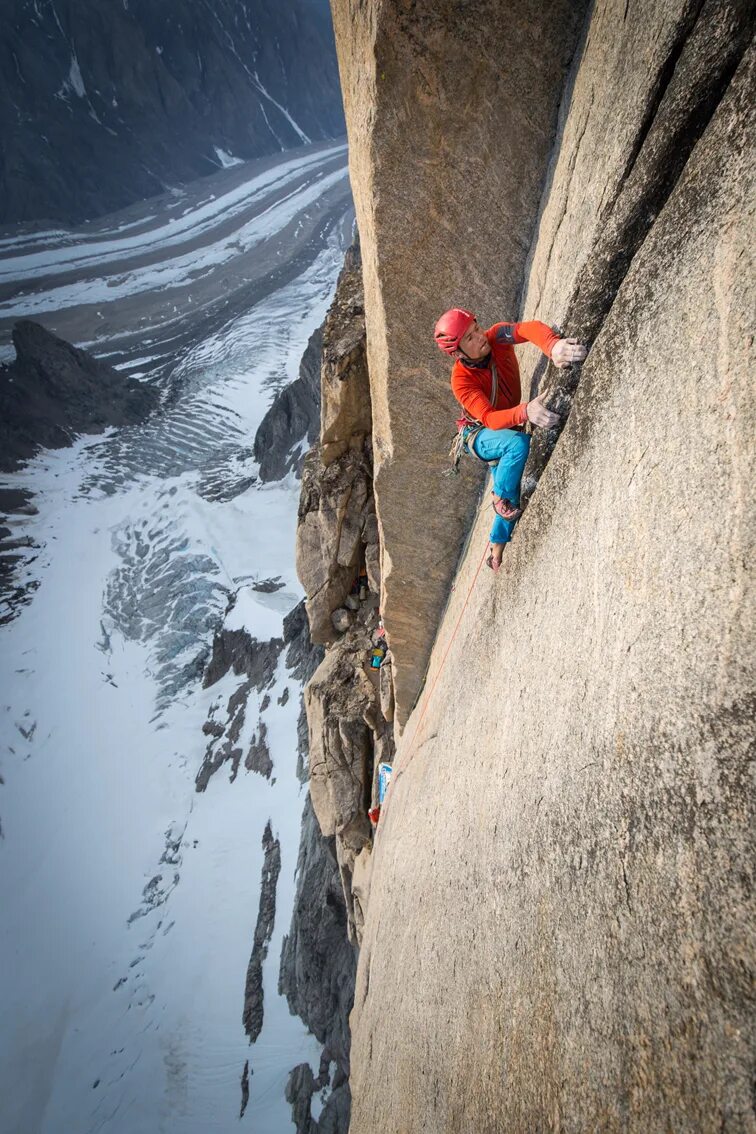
[(474, 343)]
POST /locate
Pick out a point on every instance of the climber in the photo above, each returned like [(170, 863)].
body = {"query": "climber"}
[(485, 380)]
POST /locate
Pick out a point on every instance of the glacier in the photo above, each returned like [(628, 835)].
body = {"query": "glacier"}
[(129, 899)]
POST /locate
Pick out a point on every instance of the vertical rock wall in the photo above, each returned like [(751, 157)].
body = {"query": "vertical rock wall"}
[(451, 111), (560, 931), (349, 715)]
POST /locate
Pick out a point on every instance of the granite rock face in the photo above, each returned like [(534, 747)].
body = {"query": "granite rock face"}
[(345, 408), (661, 99), (451, 112), (336, 529), (185, 88), (576, 937), (54, 391)]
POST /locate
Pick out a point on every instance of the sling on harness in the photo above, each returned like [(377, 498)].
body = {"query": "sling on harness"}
[(468, 429)]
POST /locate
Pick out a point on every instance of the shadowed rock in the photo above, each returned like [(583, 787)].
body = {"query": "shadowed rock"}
[(54, 391), (252, 1017), (318, 965), (87, 130), (258, 758), (293, 418), (237, 650)]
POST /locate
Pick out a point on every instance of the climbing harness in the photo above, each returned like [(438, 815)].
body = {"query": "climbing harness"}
[(468, 429)]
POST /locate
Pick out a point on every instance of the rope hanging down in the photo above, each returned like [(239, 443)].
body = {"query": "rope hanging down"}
[(411, 749)]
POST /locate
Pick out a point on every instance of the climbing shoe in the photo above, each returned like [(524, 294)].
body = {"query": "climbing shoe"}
[(506, 509)]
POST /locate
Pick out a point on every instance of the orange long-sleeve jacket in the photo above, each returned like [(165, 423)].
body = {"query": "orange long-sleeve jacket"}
[(471, 381)]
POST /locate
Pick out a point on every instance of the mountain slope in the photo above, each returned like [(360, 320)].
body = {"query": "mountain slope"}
[(104, 105)]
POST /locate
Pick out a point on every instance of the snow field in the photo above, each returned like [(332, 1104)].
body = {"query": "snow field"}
[(129, 900)]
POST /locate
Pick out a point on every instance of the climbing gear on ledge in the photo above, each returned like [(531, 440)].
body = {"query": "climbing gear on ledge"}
[(385, 772), (451, 327)]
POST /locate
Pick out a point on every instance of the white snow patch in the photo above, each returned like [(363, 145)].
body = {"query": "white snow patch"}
[(75, 79), (227, 160), (129, 1024), (260, 614), (282, 109)]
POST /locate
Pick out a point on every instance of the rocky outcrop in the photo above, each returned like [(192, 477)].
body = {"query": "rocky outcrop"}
[(55, 391), (302, 659), (451, 112), (293, 418), (563, 872), (348, 736), (338, 562), (252, 1016), (237, 651), (15, 504), (335, 534), (191, 87), (333, 513)]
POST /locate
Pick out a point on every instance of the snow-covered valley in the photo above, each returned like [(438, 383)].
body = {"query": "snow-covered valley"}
[(129, 899)]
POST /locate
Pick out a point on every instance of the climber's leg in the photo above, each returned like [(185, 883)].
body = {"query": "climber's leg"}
[(510, 450)]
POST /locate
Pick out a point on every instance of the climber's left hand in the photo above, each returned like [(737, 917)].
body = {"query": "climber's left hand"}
[(567, 351)]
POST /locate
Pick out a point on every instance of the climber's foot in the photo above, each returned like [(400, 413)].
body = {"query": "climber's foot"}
[(495, 552), (505, 508)]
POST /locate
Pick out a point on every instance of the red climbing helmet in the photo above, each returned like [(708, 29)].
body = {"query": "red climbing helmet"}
[(451, 327)]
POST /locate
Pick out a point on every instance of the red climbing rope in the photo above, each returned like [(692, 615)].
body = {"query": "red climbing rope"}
[(410, 750)]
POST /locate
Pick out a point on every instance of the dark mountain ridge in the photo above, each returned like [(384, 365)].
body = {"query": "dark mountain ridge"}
[(104, 105), (54, 391)]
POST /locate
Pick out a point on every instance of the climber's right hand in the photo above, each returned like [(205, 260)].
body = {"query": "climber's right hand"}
[(539, 415)]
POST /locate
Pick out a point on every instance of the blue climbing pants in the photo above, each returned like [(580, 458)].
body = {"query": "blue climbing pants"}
[(510, 450)]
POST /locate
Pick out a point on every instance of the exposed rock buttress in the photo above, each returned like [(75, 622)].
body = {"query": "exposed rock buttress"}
[(338, 562)]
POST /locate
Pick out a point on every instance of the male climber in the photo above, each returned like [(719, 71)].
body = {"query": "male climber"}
[(485, 380)]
